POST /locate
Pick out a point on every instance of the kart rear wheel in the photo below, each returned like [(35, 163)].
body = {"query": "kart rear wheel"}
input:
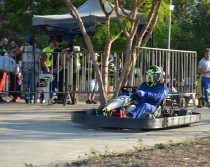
[(184, 112), (182, 103)]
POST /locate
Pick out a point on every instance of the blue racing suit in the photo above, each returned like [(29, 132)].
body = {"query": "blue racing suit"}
[(205, 81), (151, 100)]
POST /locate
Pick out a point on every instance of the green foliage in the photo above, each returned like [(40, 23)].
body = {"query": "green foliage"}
[(140, 147), (193, 18), (126, 23), (190, 27), (16, 16), (161, 146), (119, 44), (28, 165), (115, 29), (56, 166), (126, 160), (190, 23), (42, 42), (94, 155), (100, 34)]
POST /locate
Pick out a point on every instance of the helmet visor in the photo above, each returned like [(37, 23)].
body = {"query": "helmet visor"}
[(152, 78)]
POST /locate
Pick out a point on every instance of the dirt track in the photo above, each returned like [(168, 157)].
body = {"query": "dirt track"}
[(44, 135), (188, 154)]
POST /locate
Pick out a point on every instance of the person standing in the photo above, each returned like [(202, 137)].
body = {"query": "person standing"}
[(30, 68), (47, 57), (47, 53), (204, 70), (76, 65), (15, 79), (3, 75), (92, 83), (64, 69)]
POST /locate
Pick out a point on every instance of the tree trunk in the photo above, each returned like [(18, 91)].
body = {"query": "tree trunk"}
[(152, 20), (77, 18), (125, 68), (105, 65)]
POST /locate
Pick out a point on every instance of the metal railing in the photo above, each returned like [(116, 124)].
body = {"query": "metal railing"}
[(71, 71)]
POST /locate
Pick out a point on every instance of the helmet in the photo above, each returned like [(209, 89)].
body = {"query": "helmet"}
[(153, 75)]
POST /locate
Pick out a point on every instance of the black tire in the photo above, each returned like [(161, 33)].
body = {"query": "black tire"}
[(91, 111), (204, 103), (182, 103), (187, 99), (184, 112), (200, 103)]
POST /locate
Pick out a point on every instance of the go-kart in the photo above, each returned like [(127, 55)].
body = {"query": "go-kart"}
[(113, 115)]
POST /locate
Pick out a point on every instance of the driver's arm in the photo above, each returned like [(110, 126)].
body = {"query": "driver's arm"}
[(157, 96)]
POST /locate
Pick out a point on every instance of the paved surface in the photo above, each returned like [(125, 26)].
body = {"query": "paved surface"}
[(43, 135)]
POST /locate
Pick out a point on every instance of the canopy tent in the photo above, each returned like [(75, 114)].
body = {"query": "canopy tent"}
[(90, 12)]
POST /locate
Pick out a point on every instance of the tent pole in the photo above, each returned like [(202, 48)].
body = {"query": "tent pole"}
[(34, 71)]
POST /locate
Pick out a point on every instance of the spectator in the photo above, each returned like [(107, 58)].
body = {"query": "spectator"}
[(92, 83), (15, 79), (3, 75), (76, 64), (57, 50), (204, 70), (47, 56), (47, 61), (30, 68), (63, 62)]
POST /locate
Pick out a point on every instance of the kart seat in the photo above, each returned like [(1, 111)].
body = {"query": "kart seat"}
[(159, 112)]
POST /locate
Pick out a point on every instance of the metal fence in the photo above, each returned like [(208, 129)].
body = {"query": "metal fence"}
[(71, 72)]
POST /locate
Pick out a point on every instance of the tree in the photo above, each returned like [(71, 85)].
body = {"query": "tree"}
[(113, 31), (73, 11), (16, 16), (190, 27), (131, 32), (194, 26), (129, 24)]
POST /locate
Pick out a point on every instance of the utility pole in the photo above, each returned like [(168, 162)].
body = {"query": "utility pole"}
[(168, 62), (171, 7)]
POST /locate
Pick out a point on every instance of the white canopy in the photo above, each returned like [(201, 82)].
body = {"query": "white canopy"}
[(90, 12)]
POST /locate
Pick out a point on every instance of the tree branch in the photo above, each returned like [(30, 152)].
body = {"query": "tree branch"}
[(79, 21), (120, 18), (143, 31), (154, 21)]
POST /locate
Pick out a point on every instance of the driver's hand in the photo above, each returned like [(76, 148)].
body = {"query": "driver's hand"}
[(134, 97)]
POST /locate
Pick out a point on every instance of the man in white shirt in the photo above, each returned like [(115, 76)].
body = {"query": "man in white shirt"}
[(204, 70)]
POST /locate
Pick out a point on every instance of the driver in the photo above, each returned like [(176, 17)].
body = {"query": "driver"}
[(151, 93)]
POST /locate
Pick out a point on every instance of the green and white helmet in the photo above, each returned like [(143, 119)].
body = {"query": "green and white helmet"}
[(153, 75)]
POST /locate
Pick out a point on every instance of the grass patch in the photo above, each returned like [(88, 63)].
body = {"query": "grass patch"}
[(140, 147), (28, 165), (126, 160), (161, 146)]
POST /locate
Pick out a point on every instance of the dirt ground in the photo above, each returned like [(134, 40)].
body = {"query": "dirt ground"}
[(192, 153)]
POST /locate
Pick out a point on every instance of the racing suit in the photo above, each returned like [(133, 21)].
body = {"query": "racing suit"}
[(204, 65), (151, 100)]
